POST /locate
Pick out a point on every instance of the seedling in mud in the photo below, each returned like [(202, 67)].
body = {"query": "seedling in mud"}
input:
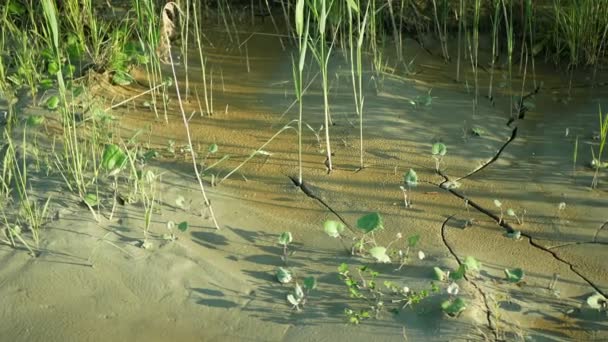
[(404, 191), (598, 301), (411, 180), (284, 240), (365, 286), (335, 229), (515, 275), (368, 224), (283, 275), (438, 151), (422, 100), (454, 307), (300, 295), (407, 297), (182, 227), (412, 242), (512, 213), (356, 317), (498, 204)]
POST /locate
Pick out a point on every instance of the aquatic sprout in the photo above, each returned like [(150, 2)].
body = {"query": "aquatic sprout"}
[(438, 151), (514, 275)]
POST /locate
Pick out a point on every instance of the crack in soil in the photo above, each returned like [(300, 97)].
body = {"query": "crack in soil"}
[(309, 192), (505, 225), (489, 313), (521, 112), (501, 222), (578, 243), (494, 158)]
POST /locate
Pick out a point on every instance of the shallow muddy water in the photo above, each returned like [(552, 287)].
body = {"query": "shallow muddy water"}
[(219, 285)]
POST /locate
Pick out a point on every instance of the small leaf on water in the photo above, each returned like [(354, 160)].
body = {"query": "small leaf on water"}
[(439, 149), (379, 253), (213, 148), (514, 275), (310, 283), (180, 201), (285, 238), (53, 102), (476, 131), (421, 255), (497, 203), (510, 212), (182, 226), (370, 222), (333, 228)]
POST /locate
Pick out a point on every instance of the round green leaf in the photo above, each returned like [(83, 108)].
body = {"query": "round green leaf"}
[(454, 307), (333, 228), (370, 222), (515, 275), (213, 148), (285, 238), (379, 253), (439, 149), (411, 178), (283, 275), (310, 283), (182, 226)]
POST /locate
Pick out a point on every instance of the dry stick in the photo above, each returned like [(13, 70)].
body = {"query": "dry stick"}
[(134, 97), (183, 112)]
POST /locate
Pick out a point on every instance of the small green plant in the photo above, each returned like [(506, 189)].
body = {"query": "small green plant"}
[(300, 295), (598, 301), (283, 275), (453, 307), (438, 151), (368, 224), (514, 275), (411, 181), (520, 219), (284, 240), (170, 236), (498, 204)]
